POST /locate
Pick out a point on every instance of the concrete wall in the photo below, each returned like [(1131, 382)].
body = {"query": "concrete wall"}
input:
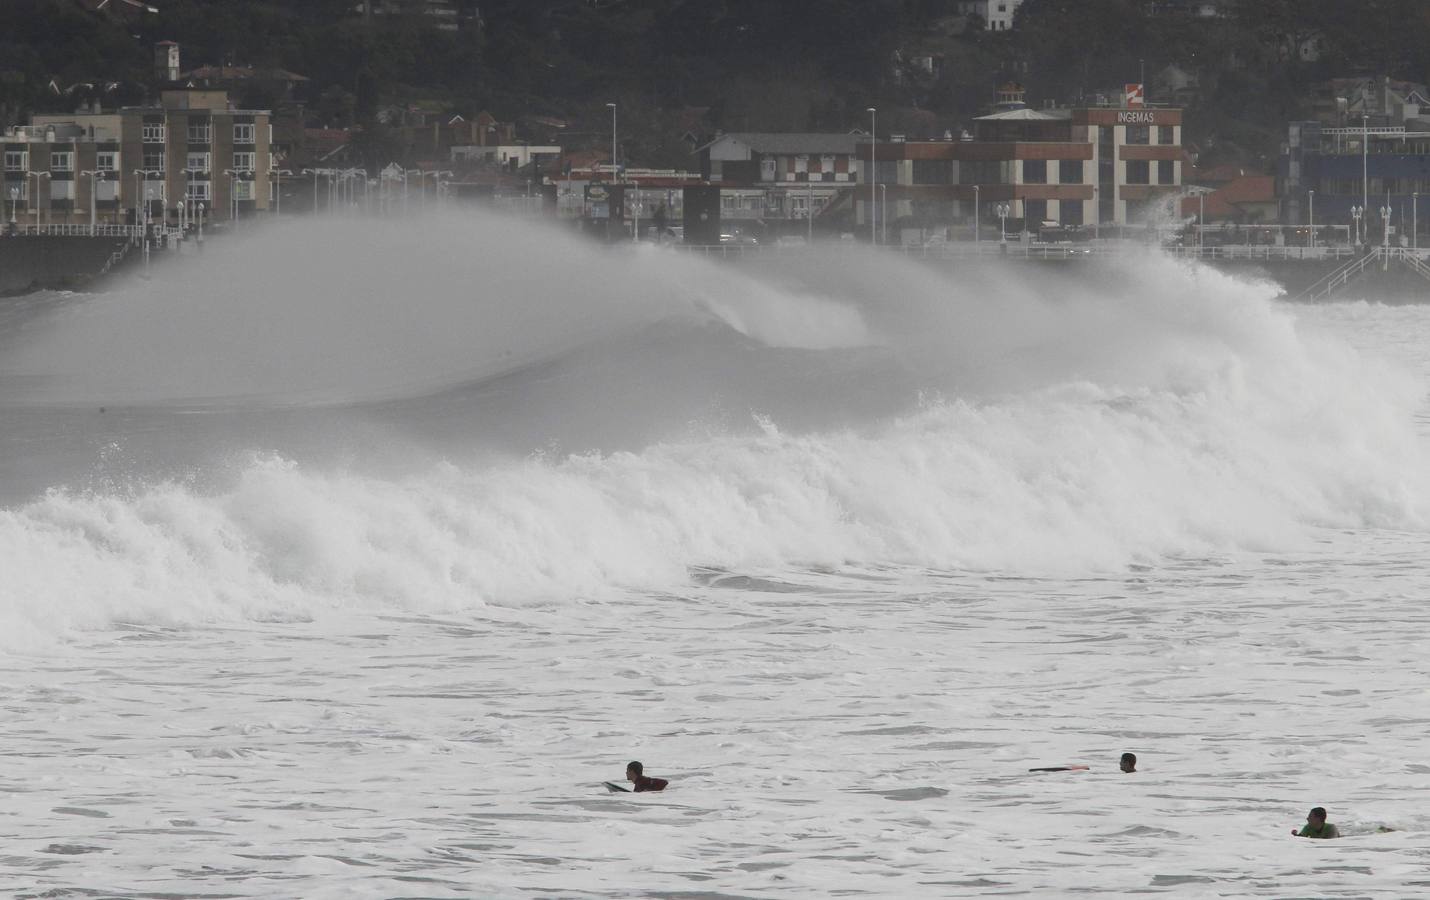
[(31, 263)]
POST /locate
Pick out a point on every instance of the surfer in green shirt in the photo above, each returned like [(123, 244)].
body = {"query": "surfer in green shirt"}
[(1317, 826)]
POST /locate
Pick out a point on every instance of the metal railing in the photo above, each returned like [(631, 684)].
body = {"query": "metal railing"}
[(124, 231), (1037, 251), (1345, 274)]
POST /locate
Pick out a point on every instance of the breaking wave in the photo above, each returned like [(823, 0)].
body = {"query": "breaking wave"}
[(1019, 421)]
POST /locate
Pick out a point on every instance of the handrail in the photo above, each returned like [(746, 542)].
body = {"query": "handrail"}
[(70, 230), (1340, 277)]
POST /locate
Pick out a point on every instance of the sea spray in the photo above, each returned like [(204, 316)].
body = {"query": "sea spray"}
[(1069, 423)]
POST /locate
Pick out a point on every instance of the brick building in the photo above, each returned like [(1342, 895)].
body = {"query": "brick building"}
[(65, 169), (1087, 166)]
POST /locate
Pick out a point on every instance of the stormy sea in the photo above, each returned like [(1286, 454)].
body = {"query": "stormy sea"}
[(349, 559)]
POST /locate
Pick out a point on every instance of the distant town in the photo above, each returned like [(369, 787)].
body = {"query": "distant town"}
[(191, 161)]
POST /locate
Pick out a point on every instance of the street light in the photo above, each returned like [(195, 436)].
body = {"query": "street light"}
[(148, 216), (1312, 196), (38, 207), (1414, 221), (1385, 212), (139, 216), (278, 190), (1201, 220), (873, 146), (1002, 211), (93, 189), (976, 214), (1365, 162), (1356, 213), (884, 213), (614, 167), (233, 192), (14, 202)]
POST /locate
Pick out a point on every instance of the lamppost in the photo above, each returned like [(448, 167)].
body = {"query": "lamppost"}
[(14, 202), (808, 211), (884, 214), (976, 214), (1201, 221), (873, 147), (438, 184), (201, 225), (1002, 211), (232, 195), (1365, 162), (1356, 213), (315, 173), (278, 190), (39, 208), (1312, 200), (1414, 221), (614, 168), (1385, 212), (140, 216), (93, 189), (148, 202)]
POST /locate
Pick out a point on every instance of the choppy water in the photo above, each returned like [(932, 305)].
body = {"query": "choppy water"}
[(842, 550)]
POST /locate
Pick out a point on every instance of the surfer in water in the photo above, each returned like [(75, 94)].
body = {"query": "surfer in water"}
[(1317, 826), (635, 774), (1128, 763)]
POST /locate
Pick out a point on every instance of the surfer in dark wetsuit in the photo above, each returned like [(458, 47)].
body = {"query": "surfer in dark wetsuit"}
[(635, 775), (1128, 763)]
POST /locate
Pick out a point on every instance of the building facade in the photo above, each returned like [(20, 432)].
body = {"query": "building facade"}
[(1074, 167), (782, 178), (1326, 171), (997, 15), (104, 168)]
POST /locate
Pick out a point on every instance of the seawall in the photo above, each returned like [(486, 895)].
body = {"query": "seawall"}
[(29, 263)]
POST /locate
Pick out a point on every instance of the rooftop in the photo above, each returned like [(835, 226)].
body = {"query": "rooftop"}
[(791, 142)]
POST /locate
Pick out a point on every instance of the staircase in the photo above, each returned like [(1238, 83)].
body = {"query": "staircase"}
[(1353, 270), (1342, 276)]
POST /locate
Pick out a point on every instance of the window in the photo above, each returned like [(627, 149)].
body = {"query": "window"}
[(1070, 171), (1035, 171), (153, 133), (243, 134), (1139, 134), (62, 161), (1164, 134), (106, 161), (154, 161), (991, 171), (198, 162), (933, 171), (1070, 212), (1166, 173), (243, 190), (1138, 171), (245, 162), (1035, 213), (200, 133), (61, 190), (199, 190), (17, 160), (106, 191)]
